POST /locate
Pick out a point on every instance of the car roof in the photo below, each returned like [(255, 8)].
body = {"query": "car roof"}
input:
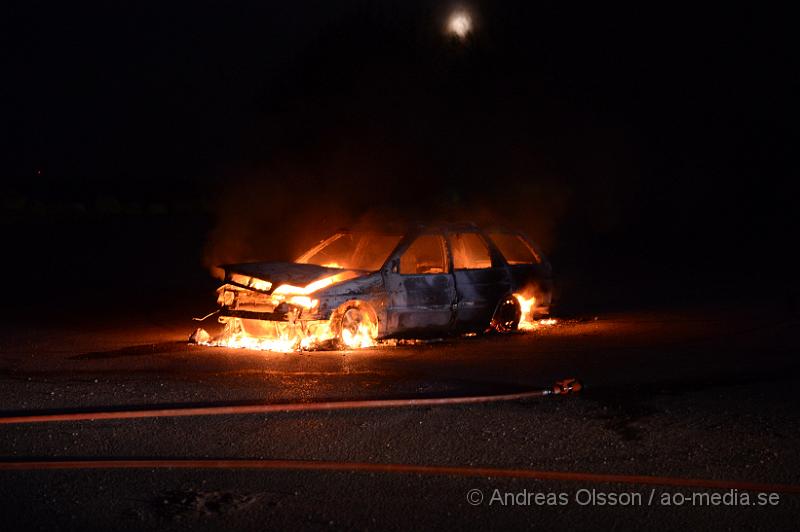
[(418, 227)]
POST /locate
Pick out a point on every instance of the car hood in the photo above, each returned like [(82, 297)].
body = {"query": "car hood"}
[(292, 273)]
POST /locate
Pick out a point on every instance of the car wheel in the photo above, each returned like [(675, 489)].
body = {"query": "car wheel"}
[(355, 327), (506, 316)]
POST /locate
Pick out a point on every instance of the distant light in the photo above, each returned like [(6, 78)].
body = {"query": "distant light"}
[(459, 24)]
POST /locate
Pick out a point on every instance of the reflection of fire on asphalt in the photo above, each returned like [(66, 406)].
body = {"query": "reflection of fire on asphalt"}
[(359, 289)]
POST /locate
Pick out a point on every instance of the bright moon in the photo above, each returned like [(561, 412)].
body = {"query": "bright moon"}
[(459, 24)]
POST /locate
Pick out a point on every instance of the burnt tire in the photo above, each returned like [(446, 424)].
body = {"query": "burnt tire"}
[(507, 316), (354, 326)]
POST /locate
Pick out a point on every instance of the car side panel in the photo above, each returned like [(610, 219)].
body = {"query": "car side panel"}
[(478, 292), (419, 304)]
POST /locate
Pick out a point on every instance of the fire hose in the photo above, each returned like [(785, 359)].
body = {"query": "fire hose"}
[(366, 467), (563, 387)]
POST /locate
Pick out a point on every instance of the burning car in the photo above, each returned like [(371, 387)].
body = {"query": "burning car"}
[(359, 287)]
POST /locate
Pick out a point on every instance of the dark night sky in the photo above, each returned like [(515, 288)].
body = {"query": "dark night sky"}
[(612, 132)]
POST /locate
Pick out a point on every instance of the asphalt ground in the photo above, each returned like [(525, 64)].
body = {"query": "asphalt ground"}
[(693, 393)]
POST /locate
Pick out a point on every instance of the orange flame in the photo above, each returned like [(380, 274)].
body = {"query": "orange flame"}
[(294, 334), (527, 321)]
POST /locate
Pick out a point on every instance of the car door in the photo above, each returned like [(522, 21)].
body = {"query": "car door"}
[(531, 273), (481, 280), (420, 287)]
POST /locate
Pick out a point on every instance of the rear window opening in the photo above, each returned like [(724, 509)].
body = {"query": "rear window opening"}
[(515, 249)]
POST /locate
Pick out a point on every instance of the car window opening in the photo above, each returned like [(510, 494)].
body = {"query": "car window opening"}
[(425, 256), (515, 249), (469, 252)]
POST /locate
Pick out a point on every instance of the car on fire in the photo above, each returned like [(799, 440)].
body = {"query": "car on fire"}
[(357, 287)]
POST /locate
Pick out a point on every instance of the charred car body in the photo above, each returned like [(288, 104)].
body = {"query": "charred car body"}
[(357, 287)]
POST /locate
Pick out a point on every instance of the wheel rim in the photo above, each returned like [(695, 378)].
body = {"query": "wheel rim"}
[(351, 321), (356, 329), (506, 317)]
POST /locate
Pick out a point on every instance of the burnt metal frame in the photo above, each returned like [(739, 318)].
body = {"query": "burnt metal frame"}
[(406, 240)]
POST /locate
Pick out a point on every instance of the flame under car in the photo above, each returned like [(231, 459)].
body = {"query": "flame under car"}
[(359, 287)]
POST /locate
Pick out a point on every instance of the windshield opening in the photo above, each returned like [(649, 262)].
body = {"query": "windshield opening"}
[(352, 251)]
